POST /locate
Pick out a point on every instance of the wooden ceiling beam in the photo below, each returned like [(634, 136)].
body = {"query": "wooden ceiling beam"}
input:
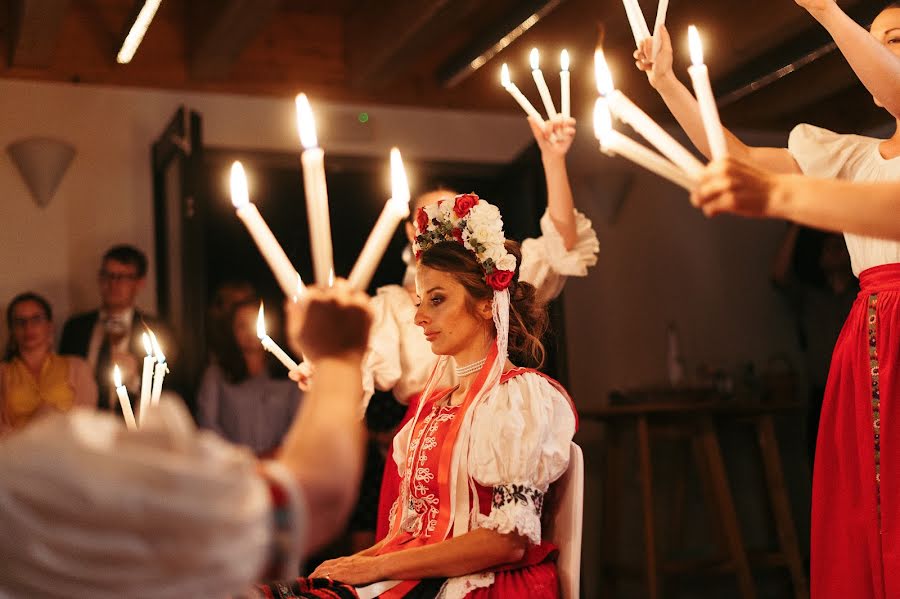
[(382, 33), (35, 31), (224, 29)]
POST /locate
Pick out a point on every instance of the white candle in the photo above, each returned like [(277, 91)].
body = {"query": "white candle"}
[(661, 11), (146, 378), (564, 92), (159, 372), (636, 20), (313, 161), (543, 90), (613, 143), (518, 96), (269, 344), (626, 111), (395, 210), (709, 112), (122, 392), (268, 246)]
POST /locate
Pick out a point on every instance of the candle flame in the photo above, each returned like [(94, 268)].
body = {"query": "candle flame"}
[(160, 357), (602, 73), (535, 59), (399, 184), (147, 346), (261, 322), (564, 60), (240, 197), (505, 81), (306, 124), (602, 119), (117, 376), (696, 46)]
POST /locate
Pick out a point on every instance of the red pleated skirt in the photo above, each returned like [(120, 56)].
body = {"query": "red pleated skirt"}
[(855, 545)]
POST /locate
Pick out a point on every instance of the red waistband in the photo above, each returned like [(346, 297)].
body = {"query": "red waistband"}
[(880, 278)]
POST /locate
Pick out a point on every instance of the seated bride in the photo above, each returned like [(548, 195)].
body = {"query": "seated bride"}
[(477, 459)]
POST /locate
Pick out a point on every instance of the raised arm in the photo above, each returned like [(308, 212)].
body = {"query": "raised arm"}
[(877, 67), (683, 106), (869, 209), (554, 138)]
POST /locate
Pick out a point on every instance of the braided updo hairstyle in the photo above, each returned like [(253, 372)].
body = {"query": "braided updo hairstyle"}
[(528, 320)]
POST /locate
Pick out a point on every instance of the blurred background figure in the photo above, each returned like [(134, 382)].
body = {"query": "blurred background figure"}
[(245, 394), (33, 378)]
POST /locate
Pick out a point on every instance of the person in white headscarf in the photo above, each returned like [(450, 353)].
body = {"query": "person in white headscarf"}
[(89, 509)]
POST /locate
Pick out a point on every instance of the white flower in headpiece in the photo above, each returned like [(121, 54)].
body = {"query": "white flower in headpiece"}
[(507, 262)]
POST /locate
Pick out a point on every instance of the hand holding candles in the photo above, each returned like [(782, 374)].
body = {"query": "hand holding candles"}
[(613, 143), (625, 110), (122, 392), (565, 92), (268, 246), (313, 160), (146, 378), (159, 372), (270, 345), (395, 210), (517, 95), (709, 112), (543, 90)]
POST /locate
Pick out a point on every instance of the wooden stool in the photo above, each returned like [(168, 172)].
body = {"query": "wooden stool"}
[(683, 415)]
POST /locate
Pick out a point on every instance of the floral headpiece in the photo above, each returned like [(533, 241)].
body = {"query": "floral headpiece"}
[(474, 223)]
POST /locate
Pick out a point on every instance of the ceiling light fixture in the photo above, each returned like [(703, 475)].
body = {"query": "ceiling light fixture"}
[(137, 31)]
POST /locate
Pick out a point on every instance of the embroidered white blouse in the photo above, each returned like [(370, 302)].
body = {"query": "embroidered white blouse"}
[(825, 154), (400, 357)]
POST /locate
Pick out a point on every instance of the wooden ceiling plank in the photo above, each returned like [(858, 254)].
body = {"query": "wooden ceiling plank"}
[(231, 26), (36, 26)]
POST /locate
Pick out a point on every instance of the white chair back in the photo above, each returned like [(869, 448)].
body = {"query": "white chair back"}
[(564, 523)]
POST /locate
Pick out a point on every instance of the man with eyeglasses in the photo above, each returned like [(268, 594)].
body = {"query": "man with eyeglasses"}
[(111, 335)]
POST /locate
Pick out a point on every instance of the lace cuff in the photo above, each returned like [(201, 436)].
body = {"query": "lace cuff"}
[(516, 508), (288, 522), (583, 254)]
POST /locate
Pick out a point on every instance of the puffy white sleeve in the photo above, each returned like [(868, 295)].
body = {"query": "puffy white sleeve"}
[(820, 152), (546, 262), (520, 445), (381, 368)]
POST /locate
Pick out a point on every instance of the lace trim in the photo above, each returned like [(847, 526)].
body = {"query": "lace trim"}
[(459, 587), (516, 508)]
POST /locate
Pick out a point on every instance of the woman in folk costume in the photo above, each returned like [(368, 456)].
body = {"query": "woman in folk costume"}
[(856, 488), (478, 457), (400, 357)]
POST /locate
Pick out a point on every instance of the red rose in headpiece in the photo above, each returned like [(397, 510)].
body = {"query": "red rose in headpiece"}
[(421, 220), (457, 235), (464, 203), (499, 279)]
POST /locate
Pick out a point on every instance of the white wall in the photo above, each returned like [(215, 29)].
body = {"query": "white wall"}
[(106, 195)]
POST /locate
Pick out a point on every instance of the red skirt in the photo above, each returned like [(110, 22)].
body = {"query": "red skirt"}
[(855, 545), (390, 482)]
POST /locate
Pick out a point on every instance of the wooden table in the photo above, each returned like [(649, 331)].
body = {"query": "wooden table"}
[(692, 414)]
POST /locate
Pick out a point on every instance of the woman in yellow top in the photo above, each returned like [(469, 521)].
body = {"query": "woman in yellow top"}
[(33, 378)]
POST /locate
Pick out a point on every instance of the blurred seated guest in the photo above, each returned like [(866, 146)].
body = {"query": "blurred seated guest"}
[(34, 379), (166, 512), (112, 334), (219, 314), (240, 397)]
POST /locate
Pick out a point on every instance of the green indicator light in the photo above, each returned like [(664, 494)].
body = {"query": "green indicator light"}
[(363, 117)]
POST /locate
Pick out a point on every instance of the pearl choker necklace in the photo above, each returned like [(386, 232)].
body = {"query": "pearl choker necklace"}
[(472, 368)]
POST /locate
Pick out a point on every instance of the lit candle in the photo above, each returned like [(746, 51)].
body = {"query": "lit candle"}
[(395, 210), (269, 344), (146, 377), (626, 111), (543, 90), (313, 160), (613, 143), (709, 112), (564, 92), (661, 11), (268, 246), (517, 95), (159, 372), (122, 392), (636, 20)]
